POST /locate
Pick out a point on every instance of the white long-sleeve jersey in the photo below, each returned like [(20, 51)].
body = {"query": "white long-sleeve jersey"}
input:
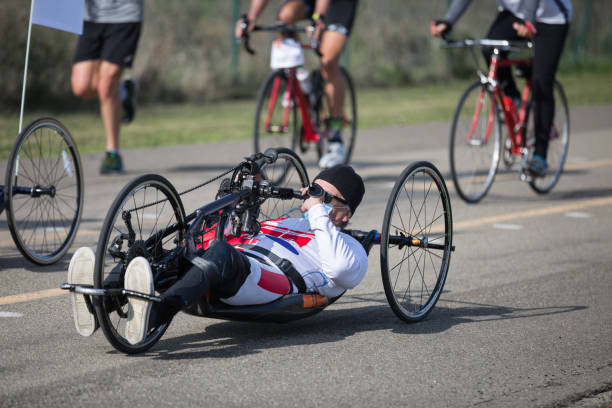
[(329, 260)]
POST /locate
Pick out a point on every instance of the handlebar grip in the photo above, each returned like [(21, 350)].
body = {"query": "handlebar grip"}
[(245, 35)]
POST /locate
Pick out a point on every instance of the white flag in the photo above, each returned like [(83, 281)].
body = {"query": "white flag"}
[(64, 15)]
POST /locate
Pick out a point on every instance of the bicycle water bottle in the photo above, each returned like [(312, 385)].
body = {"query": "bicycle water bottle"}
[(305, 82), (510, 107)]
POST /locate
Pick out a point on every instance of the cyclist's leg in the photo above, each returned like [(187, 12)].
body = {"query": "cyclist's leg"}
[(292, 11), (501, 29), (548, 46), (332, 44), (340, 18)]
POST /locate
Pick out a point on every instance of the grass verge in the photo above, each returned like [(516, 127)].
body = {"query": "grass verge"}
[(161, 125)]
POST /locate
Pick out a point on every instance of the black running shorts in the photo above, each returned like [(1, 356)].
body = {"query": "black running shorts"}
[(114, 43)]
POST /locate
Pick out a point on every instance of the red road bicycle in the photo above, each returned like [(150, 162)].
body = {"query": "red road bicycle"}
[(484, 112), (292, 111)]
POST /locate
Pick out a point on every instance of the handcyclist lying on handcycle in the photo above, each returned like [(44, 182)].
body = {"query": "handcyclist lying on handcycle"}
[(288, 255)]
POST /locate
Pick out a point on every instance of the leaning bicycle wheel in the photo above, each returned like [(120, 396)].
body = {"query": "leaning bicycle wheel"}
[(322, 113), (276, 114), (44, 191), (287, 171), (475, 143), (146, 219), (416, 241), (558, 142)]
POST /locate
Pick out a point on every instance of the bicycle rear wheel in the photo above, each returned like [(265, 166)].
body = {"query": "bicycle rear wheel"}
[(416, 241), (558, 143), (287, 171), (321, 113), (147, 205), (475, 143), (44, 191), (276, 114)]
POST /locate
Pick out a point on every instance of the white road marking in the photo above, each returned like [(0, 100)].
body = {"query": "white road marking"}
[(513, 227), (577, 214), (10, 314)]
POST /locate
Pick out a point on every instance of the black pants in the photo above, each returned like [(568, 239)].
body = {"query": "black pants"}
[(224, 269), (548, 46)]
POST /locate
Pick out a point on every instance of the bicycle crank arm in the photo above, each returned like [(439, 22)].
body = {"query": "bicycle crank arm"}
[(89, 291)]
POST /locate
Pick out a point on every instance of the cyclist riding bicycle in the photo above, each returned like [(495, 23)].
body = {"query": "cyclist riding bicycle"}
[(288, 255), (547, 22), (333, 21)]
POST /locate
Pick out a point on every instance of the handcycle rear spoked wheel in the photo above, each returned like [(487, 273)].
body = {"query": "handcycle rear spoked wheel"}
[(44, 191), (558, 143), (416, 241), (322, 113), (150, 204), (287, 171), (475, 143), (277, 122)]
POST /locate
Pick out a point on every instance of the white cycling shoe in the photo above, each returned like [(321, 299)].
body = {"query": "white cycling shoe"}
[(81, 272), (138, 278), (336, 153)]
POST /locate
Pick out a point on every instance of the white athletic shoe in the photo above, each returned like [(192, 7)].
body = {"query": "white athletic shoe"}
[(138, 278), (336, 152), (81, 272)]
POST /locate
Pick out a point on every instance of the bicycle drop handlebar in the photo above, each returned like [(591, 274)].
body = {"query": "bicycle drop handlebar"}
[(279, 27)]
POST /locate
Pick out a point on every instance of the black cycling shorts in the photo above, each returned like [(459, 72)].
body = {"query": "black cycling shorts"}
[(340, 15), (115, 43)]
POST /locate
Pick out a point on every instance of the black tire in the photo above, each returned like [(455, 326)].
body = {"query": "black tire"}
[(287, 171), (321, 113), (474, 162), (153, 204), (43, 225), (419, 206), (274, 134), (558, 144)]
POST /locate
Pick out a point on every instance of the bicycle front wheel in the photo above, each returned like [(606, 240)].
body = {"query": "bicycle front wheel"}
[(287, 171), (44, 191), (276, 114), (139, 223), (416, 241), (558, 142), (475, 143), (349, 116)]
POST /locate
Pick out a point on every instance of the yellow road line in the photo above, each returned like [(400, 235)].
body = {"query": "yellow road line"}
[(25, 297), (595, 202)]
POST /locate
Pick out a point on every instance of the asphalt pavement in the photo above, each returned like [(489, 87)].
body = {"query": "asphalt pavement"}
[(525, 318)]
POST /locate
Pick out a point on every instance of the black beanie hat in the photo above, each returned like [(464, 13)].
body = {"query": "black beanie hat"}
[(348, 183)]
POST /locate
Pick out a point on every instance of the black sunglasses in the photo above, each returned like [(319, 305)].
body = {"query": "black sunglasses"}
[(316, 190)]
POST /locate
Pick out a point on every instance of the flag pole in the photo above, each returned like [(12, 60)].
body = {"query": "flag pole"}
[(25, 70)]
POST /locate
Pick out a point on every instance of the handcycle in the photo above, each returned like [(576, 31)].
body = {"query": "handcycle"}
[(148, 219), (292, 108), (476, 141), (43, 192)]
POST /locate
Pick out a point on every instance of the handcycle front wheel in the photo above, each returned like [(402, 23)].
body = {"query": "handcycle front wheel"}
[(145, 206), (287, 171), (416, 241), (322, 113), (475, 143), (558, 142), (44, 191), (276, 114)]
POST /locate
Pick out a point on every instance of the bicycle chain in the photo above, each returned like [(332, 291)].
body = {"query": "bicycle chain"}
[(189, 190)]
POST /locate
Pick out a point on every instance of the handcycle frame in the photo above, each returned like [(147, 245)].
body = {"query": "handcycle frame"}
[(309, 133), (236, 209), (518, 143)]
